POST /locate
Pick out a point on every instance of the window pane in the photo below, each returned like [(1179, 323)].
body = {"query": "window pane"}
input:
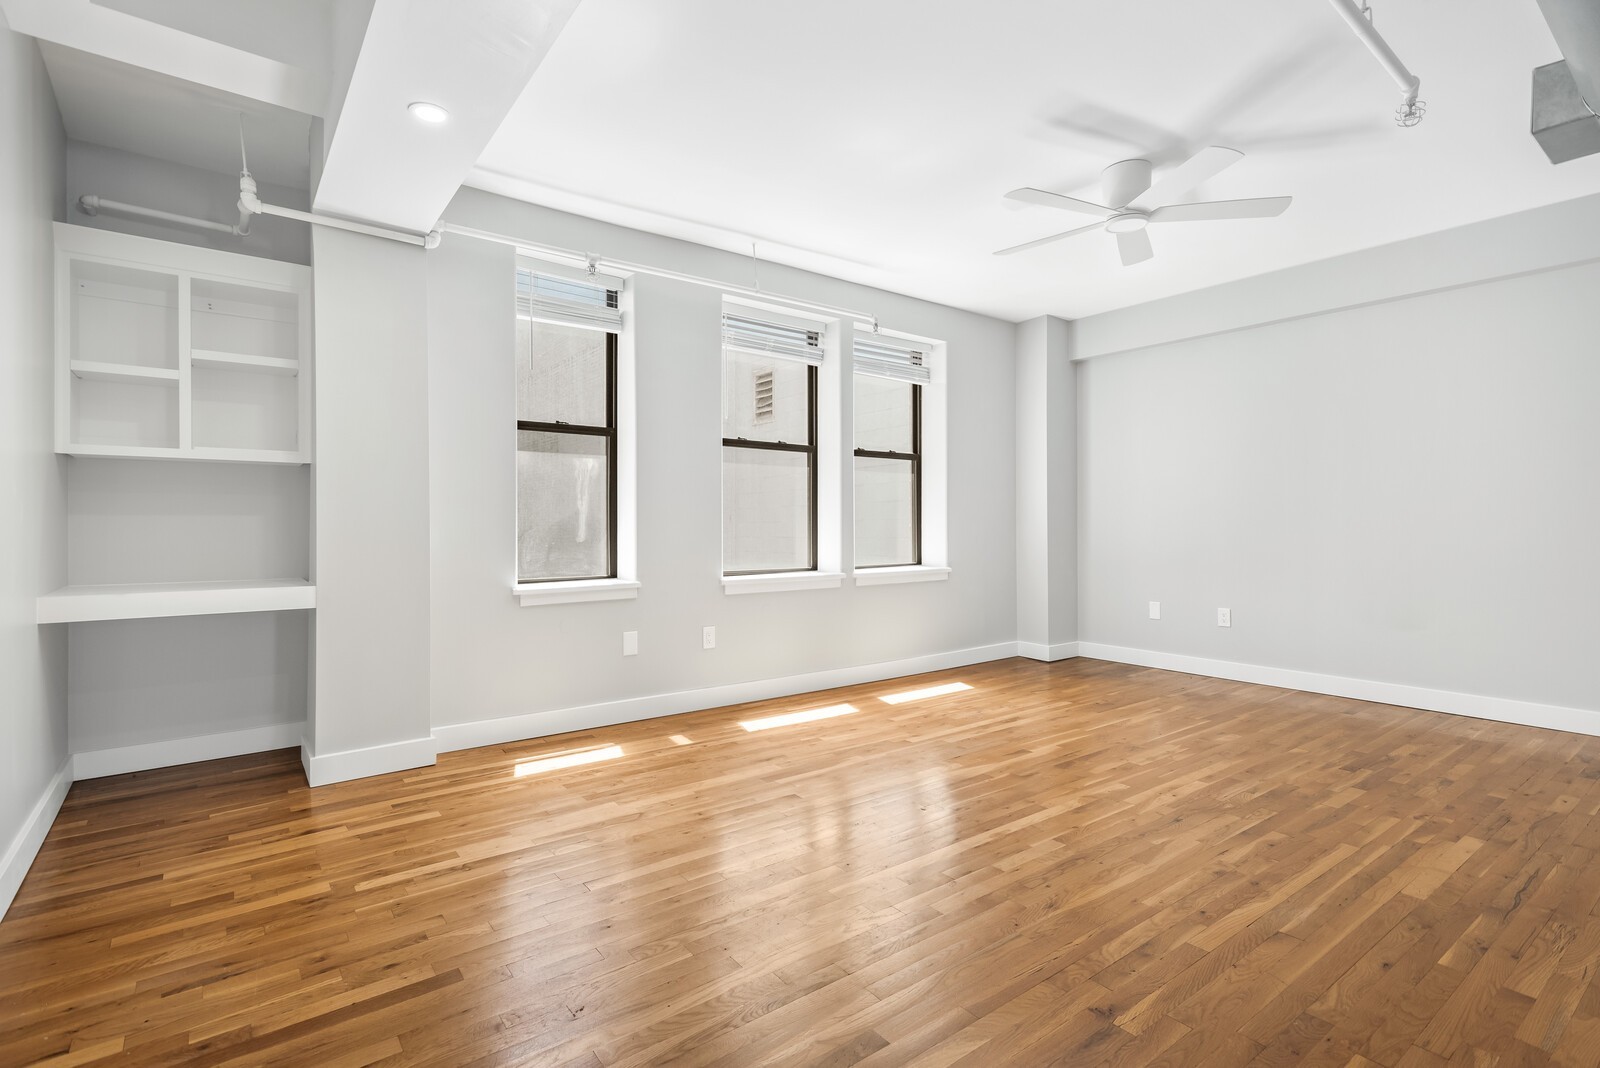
[(764, 399), (766, 510), (563, 484), (885, 517), (561, 374), (883, 414)]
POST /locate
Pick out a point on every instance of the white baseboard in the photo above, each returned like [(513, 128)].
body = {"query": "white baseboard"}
[(454, 736), (96, 763), (325, 768), (1503, 709), (1047, 653), (25, 846)]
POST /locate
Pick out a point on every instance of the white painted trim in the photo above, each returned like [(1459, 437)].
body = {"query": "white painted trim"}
[(782, 581), (97, 763), (30, 837), (453, 736), (325, 768), (1047, 653), (883, 576), (1502, 709), (530, 594)]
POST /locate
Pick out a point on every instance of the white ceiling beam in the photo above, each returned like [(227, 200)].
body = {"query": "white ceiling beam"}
[(116, 35), (471, 57)]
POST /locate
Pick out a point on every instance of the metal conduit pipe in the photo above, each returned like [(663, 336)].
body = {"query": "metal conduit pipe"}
[(1410, 111)]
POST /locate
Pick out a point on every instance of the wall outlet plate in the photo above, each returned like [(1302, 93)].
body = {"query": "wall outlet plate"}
[(1155, 609), (630, 643), (708, 638), (1224, 617)]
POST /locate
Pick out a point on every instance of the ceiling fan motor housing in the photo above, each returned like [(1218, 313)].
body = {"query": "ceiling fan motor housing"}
[(1121, 182)]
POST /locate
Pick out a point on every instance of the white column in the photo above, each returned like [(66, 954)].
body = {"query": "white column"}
[(1047, 490), (370, 712)]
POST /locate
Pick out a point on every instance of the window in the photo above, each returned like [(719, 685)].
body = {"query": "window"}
[(889, 380), (566, 428), (769, 442)]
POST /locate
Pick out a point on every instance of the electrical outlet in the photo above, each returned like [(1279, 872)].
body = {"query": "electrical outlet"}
[(1155, 609), (708, 638), (630, 643), (1224, 617)]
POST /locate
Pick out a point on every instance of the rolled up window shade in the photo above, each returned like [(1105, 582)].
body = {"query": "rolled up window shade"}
[(888, 357), (552, 299), (762, 337)]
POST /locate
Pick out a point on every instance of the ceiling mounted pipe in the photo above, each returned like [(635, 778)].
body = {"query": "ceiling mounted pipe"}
[(94, 205), (1411, 109), (252, 204)]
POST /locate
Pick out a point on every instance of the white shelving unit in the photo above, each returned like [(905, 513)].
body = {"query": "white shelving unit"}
[(168, 351)]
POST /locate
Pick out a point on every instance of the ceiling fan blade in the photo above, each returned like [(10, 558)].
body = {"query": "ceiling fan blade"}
[(1056, 200), (1047, 240), (1206, 210), (1206, 163), (1134, 247)]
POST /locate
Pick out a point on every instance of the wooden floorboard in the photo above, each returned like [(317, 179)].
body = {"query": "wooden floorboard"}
[(1077, 863)]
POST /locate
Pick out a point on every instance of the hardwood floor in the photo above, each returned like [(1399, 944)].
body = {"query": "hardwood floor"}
[(1079, 863)]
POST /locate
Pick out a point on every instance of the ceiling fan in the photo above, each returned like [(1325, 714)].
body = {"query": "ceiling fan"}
[(1129, 195)]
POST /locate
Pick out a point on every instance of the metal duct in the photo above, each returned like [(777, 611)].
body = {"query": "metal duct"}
[(1566, 95)]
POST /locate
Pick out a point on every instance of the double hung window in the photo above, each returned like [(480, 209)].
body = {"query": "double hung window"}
[(566, 428), (769, 441), (889, 379)]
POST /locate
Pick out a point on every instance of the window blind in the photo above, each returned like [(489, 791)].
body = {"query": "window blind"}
[(763, 337), (552, 299), (889, 357)]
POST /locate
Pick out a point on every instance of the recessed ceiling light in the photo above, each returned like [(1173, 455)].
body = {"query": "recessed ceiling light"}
[(427, 112)]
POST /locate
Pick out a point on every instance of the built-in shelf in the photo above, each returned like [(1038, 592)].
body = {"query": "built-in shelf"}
[(239, 361), (81, 604), (174, 352), (156, 452), (122, 372)]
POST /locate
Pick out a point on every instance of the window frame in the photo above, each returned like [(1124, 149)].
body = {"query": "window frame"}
[(810, 452), (915, 457), (609, 433)]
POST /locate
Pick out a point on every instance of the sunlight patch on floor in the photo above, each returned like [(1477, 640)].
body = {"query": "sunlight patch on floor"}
[(790, 718)]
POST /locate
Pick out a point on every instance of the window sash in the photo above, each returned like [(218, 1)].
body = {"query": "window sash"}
[(915, 458), (609, 432), (809, 450)]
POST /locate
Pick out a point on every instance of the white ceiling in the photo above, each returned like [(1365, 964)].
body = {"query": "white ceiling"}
[(874, 141)]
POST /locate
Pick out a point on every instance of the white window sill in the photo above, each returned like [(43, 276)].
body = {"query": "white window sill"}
[(536, 593), (776, 583), (882, 576)]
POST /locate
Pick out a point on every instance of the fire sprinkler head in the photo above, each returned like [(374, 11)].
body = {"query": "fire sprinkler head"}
[(1128, 222)]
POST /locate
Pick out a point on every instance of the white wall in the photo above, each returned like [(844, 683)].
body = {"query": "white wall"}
[(167, 186), (32, 534), (1404, 491), (492, 659), (139, 682)]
